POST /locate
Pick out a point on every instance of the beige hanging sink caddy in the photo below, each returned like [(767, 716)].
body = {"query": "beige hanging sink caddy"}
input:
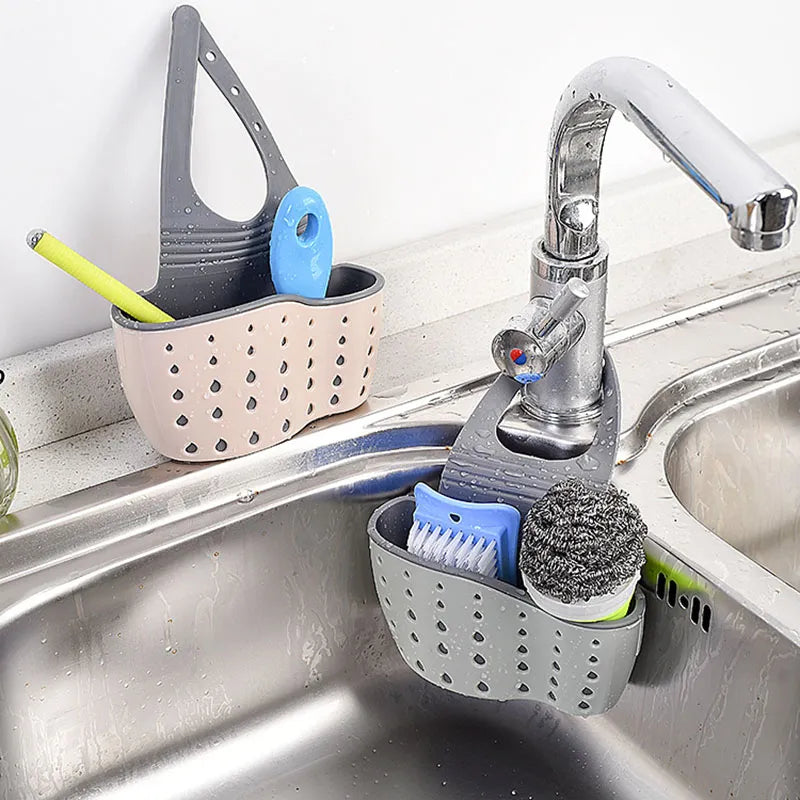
[(242, 367)]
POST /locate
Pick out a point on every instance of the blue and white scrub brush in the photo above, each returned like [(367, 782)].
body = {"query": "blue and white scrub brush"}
[(477, 537)]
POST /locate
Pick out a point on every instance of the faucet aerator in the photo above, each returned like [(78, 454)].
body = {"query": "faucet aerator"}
[(764, 223), (758, 242)]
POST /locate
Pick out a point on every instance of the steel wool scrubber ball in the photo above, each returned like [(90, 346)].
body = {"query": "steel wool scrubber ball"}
[(579, 542)]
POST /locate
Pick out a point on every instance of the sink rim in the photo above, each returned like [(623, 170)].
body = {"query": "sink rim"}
[(782, 379), (673, 528)]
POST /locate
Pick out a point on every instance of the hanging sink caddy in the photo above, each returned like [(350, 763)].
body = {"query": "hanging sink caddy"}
[(241, 368), (483, 637)]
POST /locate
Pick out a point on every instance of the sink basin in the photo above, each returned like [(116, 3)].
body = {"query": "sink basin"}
[(736, 469), (212, 631), (250, 659)]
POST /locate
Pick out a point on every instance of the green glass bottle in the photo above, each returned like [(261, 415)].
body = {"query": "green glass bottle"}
[(9, 463)]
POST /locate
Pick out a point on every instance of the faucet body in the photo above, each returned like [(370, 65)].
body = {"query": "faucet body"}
[(759, 203)]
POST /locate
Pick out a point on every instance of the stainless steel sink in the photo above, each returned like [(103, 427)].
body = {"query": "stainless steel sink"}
[(240, 652), (213, 631), (736, 469)]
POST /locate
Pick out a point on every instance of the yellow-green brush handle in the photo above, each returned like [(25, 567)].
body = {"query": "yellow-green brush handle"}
[(95, 278)]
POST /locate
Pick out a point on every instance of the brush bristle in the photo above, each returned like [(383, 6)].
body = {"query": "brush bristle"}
[(453, 549)]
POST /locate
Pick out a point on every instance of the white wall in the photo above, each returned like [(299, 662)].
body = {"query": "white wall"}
[(409, 118)]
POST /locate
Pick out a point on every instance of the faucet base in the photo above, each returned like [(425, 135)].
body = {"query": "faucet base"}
[(535, 432), (573, 382)]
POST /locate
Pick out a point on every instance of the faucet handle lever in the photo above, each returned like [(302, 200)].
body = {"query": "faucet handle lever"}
[(564, 304), (541, 333)]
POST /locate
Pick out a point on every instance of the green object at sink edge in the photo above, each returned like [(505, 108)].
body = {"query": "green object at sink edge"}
[(9, 462)]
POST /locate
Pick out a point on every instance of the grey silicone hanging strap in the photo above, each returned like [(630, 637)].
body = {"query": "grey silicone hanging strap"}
[(191, 42), (481, 469), (193, 237)]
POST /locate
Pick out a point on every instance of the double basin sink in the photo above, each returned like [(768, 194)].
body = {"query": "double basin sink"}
[(213, 631)]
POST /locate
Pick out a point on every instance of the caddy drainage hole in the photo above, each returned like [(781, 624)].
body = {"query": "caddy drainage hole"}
[(699, 612)]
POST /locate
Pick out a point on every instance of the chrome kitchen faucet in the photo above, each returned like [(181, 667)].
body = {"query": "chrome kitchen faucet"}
[(551, 348)]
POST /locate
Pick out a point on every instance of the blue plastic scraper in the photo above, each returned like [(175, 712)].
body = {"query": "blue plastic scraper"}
[(301, 262)]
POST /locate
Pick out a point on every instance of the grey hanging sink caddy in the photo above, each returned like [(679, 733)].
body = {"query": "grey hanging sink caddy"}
[(483, 637)]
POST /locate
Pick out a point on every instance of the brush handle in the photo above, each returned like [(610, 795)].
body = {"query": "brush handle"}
[(301, 263), (117, 293)]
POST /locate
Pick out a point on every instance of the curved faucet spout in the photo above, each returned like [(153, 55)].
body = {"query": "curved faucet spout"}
[(759, 203)]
